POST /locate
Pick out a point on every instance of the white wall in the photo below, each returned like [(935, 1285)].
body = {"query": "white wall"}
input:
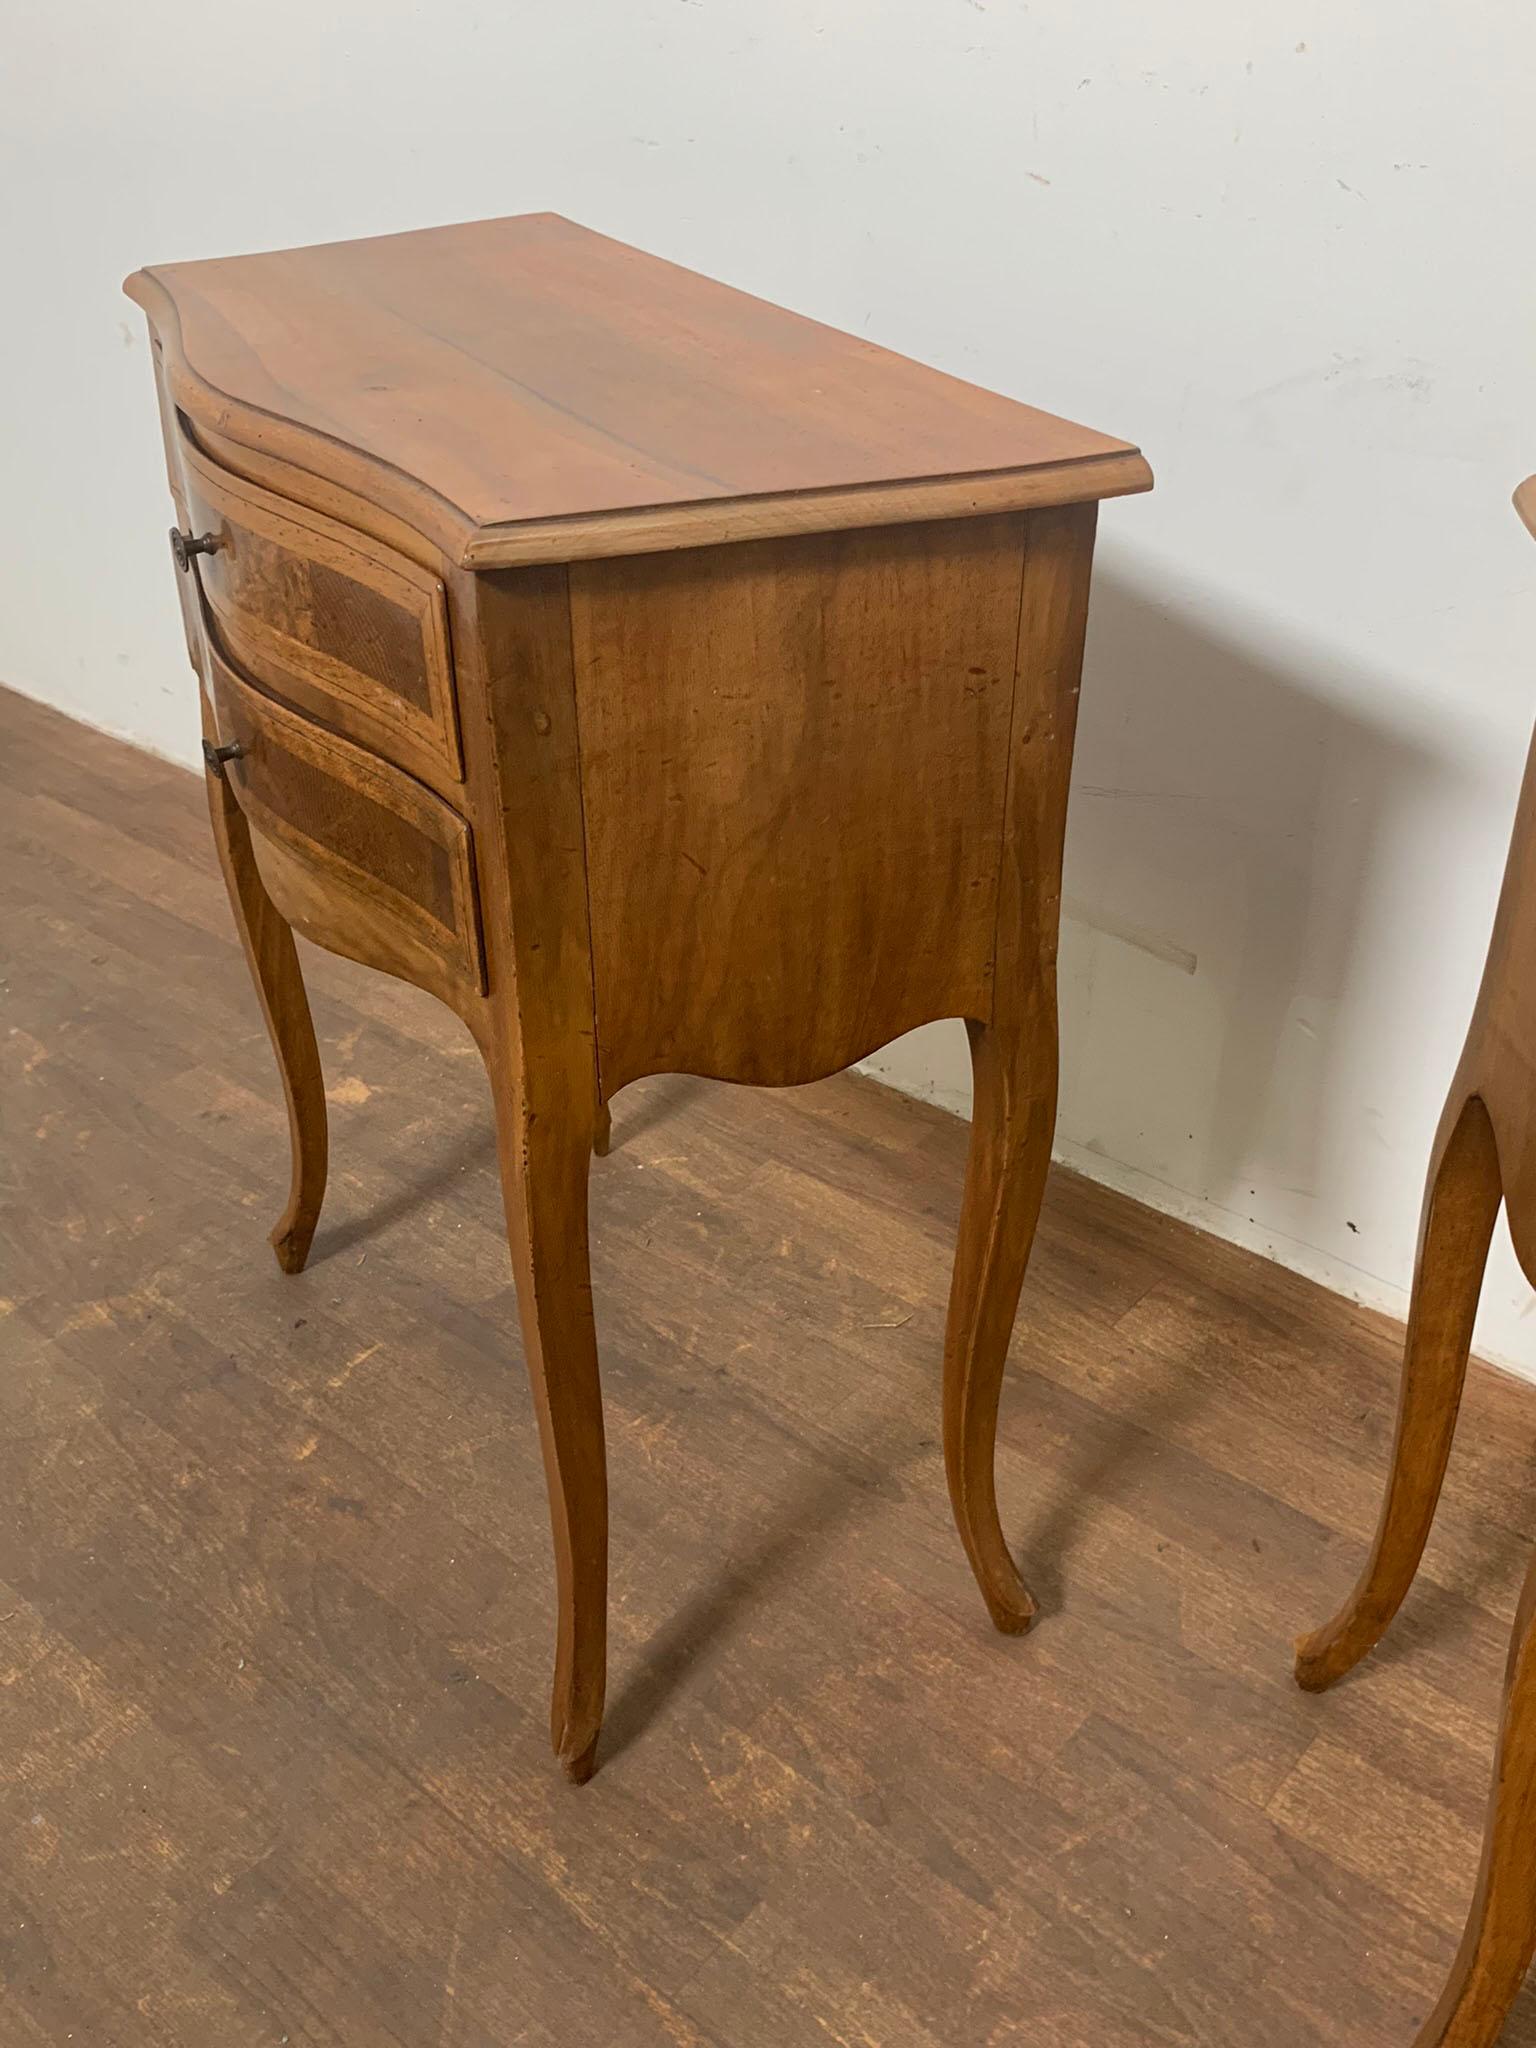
[(1283, 249)]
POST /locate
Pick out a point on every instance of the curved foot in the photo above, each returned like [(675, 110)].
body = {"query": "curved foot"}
[(1460, 1205), (1323, 1657), (291, 1242), (580, 1767), (1010, 1603), (602, 1137), (1004, 1180)]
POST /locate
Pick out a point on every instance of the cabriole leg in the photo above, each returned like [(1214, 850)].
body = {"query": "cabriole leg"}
[(1461, 1203), (274, 965), (1010, 1155), (544, 1167)]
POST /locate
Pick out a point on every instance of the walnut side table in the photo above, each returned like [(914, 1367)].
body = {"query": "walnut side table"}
[(666, 682)]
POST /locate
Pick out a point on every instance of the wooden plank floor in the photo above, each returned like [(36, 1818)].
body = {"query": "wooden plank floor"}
[(275, 1618)]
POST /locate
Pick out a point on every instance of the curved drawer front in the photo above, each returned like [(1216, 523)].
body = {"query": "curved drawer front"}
[(336, 623), (390, 861)]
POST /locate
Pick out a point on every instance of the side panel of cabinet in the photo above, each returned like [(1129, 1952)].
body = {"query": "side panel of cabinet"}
[(794, 759)]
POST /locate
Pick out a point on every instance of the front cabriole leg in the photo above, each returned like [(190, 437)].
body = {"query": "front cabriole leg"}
[(537, 1031), (545, 1146)]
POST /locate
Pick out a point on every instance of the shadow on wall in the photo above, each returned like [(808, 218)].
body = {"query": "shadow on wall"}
[(1248, 824), (1237, 831)]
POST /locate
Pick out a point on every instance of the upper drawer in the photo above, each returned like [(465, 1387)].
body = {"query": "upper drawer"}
[(337, 623)]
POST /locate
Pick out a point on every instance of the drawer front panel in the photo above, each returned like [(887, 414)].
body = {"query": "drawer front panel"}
[(334, 622), (366, 831)]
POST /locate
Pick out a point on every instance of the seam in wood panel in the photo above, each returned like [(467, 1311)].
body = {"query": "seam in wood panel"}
[(1013, 713), (586, 851)]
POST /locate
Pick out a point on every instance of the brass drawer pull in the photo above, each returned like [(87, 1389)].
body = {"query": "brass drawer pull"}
[(185, 545), (216, 756)]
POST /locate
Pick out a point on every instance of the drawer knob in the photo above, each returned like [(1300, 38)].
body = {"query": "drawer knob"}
[(216, 756), (185, 545)]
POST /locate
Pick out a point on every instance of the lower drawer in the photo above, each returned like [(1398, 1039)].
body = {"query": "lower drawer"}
[(387, 867)]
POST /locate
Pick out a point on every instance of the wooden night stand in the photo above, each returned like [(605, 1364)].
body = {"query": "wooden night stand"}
[(666, 682)]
